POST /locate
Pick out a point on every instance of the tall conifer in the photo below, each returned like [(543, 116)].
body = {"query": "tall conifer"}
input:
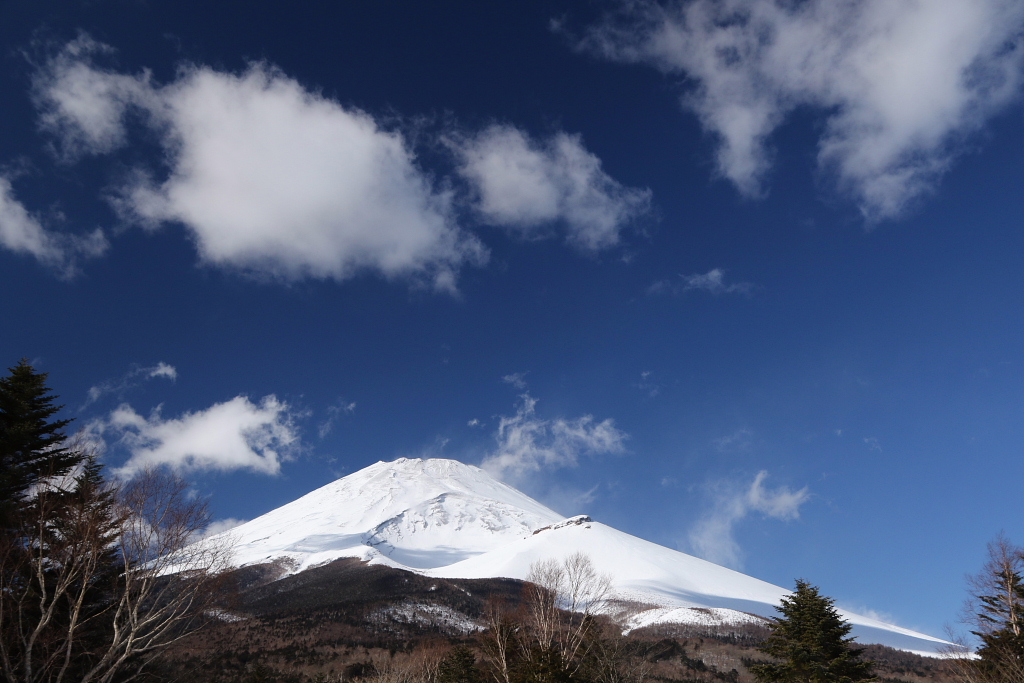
[(810, 641), (31, 442), (997, 613)]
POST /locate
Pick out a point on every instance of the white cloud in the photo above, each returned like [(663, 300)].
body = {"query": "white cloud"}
[(870, 613), (569, 500), (900, 83), (24, 233), (527, 443), (333, 413), (529, 186), (516, 379), (233, 435), (219, 526), (84, 105), (738, 442), (647, 384), (162, 369), (712, 536), (268, 176), (130, 380), (712, 282)]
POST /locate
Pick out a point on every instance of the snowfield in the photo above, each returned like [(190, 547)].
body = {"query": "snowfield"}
[(450, 520)]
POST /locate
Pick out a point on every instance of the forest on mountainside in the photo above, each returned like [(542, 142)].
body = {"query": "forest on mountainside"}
[(347, 620)]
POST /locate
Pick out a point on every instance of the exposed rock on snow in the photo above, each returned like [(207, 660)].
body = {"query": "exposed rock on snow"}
[(571, 521)]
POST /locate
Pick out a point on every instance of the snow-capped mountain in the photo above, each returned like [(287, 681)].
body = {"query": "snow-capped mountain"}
[(446, 519), (410, 514)]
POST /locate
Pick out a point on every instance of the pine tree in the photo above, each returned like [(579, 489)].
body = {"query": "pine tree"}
[(997, 613), (31, 443), (458, 666), (810, 641)]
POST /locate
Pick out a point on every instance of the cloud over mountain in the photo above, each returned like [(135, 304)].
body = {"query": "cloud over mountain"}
[(712, 536), (528, 443)]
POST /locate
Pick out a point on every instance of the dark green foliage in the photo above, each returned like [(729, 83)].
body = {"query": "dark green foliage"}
[(259, 674), (31, 442), (810, 641), (998, 613), (543, 665), (459, 666)]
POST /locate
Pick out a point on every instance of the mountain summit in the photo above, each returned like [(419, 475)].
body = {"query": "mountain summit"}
[(447, 519)]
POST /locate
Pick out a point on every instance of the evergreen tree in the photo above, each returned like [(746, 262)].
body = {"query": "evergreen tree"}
[(997, 613), (810, 641), (458, 666), (31, 442), (543, 665)]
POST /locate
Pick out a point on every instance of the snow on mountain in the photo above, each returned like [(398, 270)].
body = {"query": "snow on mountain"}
[(675, 582), (450, 520), (410, 513)]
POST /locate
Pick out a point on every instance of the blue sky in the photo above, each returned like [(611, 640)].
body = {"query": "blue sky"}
[(740, 278)]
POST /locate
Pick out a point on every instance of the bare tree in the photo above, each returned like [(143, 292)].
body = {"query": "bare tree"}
[(563, 599), (100, 579), (557, 632), (419, 666), (615, 659), (500, 640), (546, 585)]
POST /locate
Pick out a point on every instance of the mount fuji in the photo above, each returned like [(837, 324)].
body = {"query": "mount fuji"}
[(446, 519)]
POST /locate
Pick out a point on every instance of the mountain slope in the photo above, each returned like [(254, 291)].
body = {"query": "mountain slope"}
[(651, 574), (410, 513), (445, 519)]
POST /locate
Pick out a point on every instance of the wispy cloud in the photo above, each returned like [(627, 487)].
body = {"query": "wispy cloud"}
[(569, 500), (713, 538), (268, 176), (738, 441), (233, 435), (335, 411), (129, 380), (24, 233), (527, 443), (533, 186), (899, 84), (864, 610), (647, 384), (219, 526), (516, 379), (713, 282)]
